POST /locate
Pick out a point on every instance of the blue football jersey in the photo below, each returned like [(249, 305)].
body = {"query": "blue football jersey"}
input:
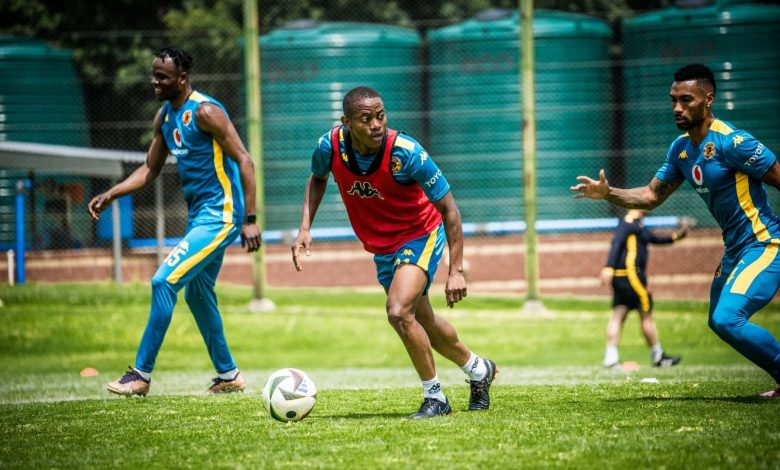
[(210, 179), (725, 169), (410, 163)]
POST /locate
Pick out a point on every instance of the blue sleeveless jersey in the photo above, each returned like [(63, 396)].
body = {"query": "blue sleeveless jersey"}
[(210, 179), (726, 170)]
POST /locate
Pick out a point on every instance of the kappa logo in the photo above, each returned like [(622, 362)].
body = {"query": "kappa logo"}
[(738, 139), (344, 157), (407, 252), (731, 277), (709, 150), (683, 155), (423, 156), (186, 118), (364, 190), (177, 136), (734, 272)]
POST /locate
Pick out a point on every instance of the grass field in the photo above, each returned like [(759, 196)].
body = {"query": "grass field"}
[(553, 405)]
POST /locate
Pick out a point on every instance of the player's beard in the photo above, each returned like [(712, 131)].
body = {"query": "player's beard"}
[(689, 123)]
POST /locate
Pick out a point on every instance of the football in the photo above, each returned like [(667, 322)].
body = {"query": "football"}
[(289, 395)]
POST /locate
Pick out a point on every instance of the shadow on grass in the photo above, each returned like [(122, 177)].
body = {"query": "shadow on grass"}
[(362, 416), (752, 400)]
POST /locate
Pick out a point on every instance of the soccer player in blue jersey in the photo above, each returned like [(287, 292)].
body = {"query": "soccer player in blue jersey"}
[(218, 181), (401, 208), (726, 166)]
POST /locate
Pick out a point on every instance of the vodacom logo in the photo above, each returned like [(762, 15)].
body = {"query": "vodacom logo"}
[(698, 176), (177, 136)]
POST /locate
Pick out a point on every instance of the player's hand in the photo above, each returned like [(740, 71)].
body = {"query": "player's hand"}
[(455, 288), (302, 241), (98, 204), (682, 232), (685, 224), (251, 238), (606, 276), (591, 188)]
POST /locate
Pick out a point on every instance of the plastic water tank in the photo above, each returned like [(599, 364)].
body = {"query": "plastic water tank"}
[(307, 68), (41, 101), (738, 41), (475, 111)]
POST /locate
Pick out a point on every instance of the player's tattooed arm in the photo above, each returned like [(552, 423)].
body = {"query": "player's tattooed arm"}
[(647, 197), (663, 189)]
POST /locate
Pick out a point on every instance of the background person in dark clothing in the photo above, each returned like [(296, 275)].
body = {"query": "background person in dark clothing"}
[(626, 271)]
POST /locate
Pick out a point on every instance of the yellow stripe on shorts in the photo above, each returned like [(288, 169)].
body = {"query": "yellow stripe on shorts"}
[(425, 257), (196, 258), (633, 277), (749, 274)]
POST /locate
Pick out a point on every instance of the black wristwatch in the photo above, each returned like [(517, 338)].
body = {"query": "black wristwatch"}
[(251, 219)]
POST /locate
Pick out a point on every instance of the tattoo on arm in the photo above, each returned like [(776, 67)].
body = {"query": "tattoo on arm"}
[(645, 197), (663, 189)]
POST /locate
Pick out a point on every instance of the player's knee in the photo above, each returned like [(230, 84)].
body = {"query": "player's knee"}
[(728, 326), (399, 315), (160, 282)]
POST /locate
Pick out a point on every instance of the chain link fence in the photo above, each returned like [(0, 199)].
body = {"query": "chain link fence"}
[(601, 101)]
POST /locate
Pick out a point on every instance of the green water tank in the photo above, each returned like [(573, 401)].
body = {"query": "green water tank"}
[(307, 67), (738, 41), (475, 111), (40, 94), (41, 101)]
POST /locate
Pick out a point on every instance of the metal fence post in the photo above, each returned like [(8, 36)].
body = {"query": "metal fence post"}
[(21, 186), (117, 240), (160, 219)]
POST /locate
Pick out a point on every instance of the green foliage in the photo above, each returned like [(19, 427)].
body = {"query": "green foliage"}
[(112, 42), (28, 18)]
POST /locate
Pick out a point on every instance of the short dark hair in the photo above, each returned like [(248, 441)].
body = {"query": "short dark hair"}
[(699, 72), (180, 58), (356, 94)]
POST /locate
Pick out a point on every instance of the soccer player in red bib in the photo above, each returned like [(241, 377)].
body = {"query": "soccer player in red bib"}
[(728, 169), (400, 206)]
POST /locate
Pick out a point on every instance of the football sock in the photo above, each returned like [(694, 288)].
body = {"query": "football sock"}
[(229, 375), (611, 355), (657, 352), (475, 367), (432, 389), (146, 375)]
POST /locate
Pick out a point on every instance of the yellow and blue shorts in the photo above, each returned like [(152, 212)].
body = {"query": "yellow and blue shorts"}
[(425, 252)]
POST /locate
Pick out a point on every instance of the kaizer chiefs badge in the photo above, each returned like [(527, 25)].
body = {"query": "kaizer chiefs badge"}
[(186, 118), (709, 150), (395, 165)]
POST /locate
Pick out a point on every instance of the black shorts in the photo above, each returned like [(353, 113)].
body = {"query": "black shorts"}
[(635, 297)]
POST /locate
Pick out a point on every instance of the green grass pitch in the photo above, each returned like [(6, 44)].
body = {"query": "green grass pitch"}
[(554, 406)]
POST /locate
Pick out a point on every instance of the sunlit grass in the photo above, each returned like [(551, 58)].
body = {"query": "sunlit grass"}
[(553, 405)]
